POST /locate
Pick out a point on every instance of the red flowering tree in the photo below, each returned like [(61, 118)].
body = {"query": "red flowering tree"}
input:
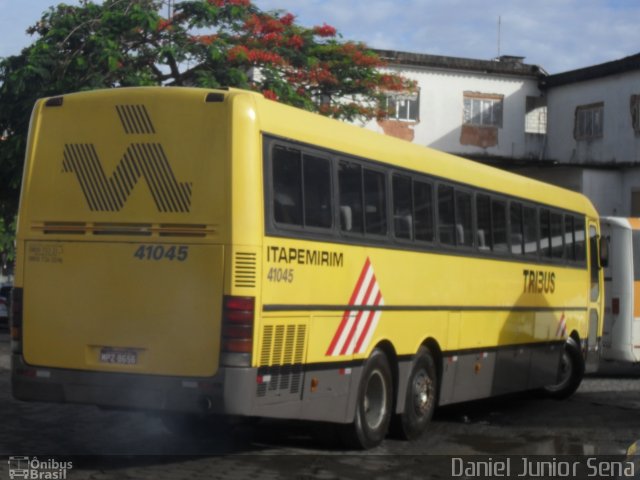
[(206, 43)]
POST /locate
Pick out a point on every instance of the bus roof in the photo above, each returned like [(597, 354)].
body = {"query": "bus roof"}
[(630, 223)]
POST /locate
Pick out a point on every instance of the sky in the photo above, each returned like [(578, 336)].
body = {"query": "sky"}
[(558, 35)]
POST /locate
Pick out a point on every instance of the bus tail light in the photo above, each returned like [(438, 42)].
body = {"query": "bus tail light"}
[(15, 319), (237, 328)]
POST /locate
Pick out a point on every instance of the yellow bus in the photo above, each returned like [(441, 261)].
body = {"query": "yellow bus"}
[(206, 252)]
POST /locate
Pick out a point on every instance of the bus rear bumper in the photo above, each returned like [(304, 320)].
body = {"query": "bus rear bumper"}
[(136, 391)]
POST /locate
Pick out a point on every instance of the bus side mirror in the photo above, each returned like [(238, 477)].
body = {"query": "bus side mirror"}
[(599, 251), (604, 252)]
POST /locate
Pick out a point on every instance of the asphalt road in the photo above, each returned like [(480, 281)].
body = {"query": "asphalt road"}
[(602, 418)]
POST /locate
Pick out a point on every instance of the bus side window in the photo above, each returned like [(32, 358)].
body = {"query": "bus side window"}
[(499, 225), (516, 236), (317, 192), (424, 210), (483, 213), (530, 230), (557, 244), (350, 186), (402, 207), (568, 238), (287, 185), (464, 224), (545, 233), (446, 215), (579, 239), (375, 202)]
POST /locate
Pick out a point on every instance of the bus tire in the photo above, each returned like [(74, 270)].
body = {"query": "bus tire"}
[(420, 399), (571, 372), (373, 405)]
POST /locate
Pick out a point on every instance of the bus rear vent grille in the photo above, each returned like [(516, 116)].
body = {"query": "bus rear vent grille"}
[(244, 270), (281, 359), (127, 229)]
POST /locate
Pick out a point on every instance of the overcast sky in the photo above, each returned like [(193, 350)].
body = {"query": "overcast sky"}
[(558, 35)]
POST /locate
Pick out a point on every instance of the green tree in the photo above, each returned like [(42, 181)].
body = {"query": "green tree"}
[(207, 43)]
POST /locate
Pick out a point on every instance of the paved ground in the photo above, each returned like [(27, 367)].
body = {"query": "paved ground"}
[(602, 418)]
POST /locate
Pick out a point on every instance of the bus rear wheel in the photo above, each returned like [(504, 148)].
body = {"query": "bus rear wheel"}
[(420, 400), (374, 404), (571, 372)]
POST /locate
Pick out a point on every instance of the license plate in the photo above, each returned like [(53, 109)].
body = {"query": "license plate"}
[(118, 356)]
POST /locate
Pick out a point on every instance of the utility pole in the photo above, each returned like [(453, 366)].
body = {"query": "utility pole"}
[(499, 28)]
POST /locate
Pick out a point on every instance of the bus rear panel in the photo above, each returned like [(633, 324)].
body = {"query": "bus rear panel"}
[(123, 241)]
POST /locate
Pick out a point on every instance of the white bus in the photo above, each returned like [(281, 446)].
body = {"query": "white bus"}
[(621, 332)]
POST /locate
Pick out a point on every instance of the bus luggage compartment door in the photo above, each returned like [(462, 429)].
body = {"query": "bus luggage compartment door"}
[(150, 308)]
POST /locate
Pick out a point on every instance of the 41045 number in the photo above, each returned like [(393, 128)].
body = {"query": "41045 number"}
[(280, 275), (178, 253)]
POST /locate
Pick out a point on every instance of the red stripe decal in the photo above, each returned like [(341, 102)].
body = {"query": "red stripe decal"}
[(367, 326), (354, 327), (345, 316)]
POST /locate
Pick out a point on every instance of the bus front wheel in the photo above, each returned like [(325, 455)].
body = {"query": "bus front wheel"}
[(374, 404), (570, 374), (420, 399)]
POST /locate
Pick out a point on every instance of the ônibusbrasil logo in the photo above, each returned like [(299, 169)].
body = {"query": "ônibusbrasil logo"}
[(36, 469)]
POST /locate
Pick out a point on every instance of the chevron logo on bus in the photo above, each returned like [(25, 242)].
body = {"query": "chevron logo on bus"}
[(358, 325), (144, 160)]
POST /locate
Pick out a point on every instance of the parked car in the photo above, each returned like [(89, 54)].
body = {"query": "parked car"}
[(5, 296)]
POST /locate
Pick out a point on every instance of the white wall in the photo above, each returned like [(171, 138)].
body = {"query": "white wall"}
[(441, 109), (618, 144), (603, 188), (631, 183)]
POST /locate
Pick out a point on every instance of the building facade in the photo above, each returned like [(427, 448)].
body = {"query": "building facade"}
[(473, 108), (578, 129), (593, 138)]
